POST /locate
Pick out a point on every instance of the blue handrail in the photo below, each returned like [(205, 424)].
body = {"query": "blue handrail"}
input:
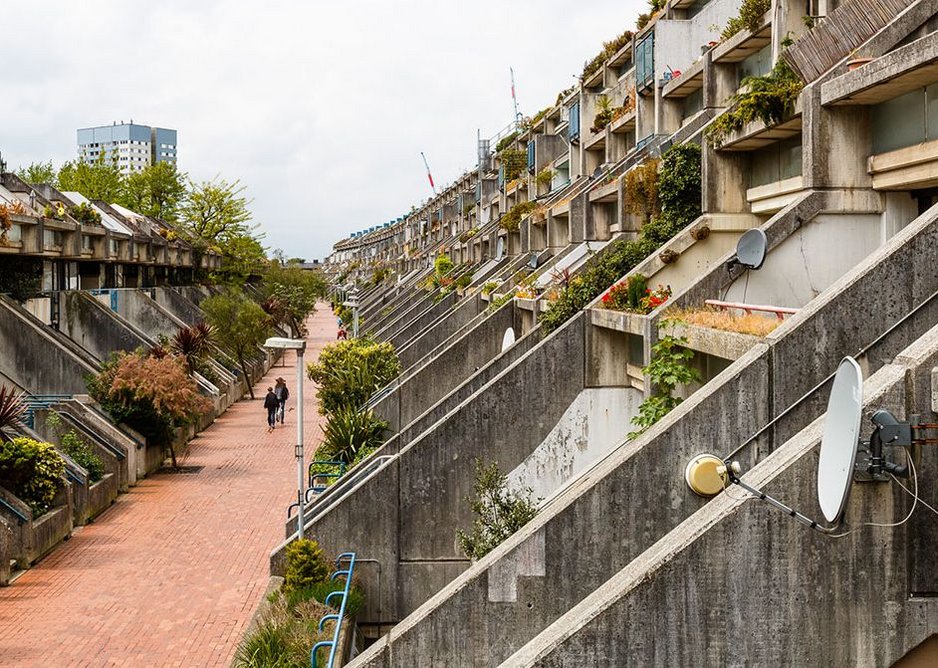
[(20, 517), (34, 401), (338, 616), (324, 462)]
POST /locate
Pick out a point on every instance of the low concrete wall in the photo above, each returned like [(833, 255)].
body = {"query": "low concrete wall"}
[(96, 328), (33, 538), (180, 306), (760, 564), (82, 415), (398, 336)]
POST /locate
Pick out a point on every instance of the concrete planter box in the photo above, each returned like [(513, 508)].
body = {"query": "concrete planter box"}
[(620, 321), (31, 539), (716, 342), (101, 495)]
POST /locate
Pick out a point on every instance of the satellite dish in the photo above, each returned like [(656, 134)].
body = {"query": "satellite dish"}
[(509, 339), (839, 442), (750, 249), (532, 263), (500, 248)]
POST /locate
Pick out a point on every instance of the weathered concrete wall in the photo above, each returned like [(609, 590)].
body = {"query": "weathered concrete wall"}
[(176, 303), (429, 338), (819, 600), (96, 328), (401, 335), (417, 392), (35, 358), (414, 539), (640, 485), (137, 307)]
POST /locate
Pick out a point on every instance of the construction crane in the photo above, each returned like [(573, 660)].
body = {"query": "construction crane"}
[(429, 175)]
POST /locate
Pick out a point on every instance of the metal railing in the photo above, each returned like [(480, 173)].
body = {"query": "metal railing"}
[(20, 517), (779, 311), (327, 474), (338, 616), (34, 401), (358, 473)]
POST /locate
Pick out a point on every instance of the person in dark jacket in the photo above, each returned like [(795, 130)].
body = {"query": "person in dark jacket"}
[(271, 404), (280, 389)]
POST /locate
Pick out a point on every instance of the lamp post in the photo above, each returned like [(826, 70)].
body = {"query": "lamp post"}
[(352, 303), (299, 345)]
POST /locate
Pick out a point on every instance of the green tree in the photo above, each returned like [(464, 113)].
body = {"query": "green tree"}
[(158, 191), (296, 291), (100, 179), (240, 326), (216, 216), (38, 172)]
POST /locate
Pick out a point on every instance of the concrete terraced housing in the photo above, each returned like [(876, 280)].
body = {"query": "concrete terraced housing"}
[(624, 564), (106, 287)]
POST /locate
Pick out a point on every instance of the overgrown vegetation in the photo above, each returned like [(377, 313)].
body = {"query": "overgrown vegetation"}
[(749, 17), (289, 626), (151, 394), (506, 141), (511, 221), (499, 511), (605, 112), (609, 49), (21, 277), (85, 214), (678, 203), (514, 161), (641, 190), (544, 177), (752, 323), (767, 98), (669, 367), (349, 432), (32, 471)]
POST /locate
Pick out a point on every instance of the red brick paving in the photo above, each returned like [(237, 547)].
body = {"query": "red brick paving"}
[(171, 573)]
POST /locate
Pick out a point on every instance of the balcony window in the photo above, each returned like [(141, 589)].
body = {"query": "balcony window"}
[(645, 62), (531, 157), (573, 129), (919, 113), (777, 162)]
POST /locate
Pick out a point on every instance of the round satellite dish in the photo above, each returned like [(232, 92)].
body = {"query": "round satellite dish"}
[(509, 339), (839, 442), (500, 248), (750, 249)]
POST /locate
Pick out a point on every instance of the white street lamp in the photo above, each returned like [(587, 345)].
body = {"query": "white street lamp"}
[(299, 345)]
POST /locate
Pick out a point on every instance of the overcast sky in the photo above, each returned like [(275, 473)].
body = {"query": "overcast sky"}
[(320, 108)]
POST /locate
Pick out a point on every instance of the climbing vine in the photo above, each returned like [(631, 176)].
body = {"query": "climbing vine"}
[(669, 367)]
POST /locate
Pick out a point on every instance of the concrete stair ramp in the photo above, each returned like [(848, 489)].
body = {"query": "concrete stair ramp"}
[(819, 600), (636, 493)]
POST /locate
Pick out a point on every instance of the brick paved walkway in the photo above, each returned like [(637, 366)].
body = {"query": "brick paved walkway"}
[(171, 573)]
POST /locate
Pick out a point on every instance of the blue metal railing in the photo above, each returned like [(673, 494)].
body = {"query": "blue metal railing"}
[(336, 617), (318, 475), (34, 401), (20, 517)]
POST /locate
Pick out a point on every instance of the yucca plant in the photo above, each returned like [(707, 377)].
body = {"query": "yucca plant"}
[(192, 343), (349, 431), (12, 409)]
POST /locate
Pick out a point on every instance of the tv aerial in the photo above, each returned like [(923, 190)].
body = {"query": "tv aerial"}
[(707, 474)]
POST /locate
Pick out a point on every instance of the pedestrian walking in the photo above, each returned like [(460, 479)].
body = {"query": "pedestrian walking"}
[(280, 389), (271, 404)]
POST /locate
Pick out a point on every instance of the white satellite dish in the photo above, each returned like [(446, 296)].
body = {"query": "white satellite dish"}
[(509, 339), (750, 249), (500, 248), (840, 439)]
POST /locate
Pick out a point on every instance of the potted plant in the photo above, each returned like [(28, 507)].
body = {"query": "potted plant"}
[(856, 62)]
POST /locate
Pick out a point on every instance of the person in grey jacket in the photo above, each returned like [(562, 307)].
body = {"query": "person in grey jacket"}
[(280, 389)]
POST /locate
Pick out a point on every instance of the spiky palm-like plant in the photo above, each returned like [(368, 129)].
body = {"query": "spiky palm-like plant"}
[(12, 409)]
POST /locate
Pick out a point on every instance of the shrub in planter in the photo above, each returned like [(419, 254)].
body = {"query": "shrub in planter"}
[(152, 395), (31, 470), (349, 431), (627, 295), (306, 565), (77, 448), (349, 372)]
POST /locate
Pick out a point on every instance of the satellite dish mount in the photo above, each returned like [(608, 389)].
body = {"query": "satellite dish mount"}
[(750, 251)]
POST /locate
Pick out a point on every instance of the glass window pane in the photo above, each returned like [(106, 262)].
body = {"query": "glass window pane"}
[(889, 135)]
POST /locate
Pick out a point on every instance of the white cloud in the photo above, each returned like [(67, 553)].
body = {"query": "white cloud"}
[(320, 108)]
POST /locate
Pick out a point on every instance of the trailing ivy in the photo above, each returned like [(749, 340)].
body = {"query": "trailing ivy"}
[(749, 17), (767, 98), (678, 197), (514, 161)]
